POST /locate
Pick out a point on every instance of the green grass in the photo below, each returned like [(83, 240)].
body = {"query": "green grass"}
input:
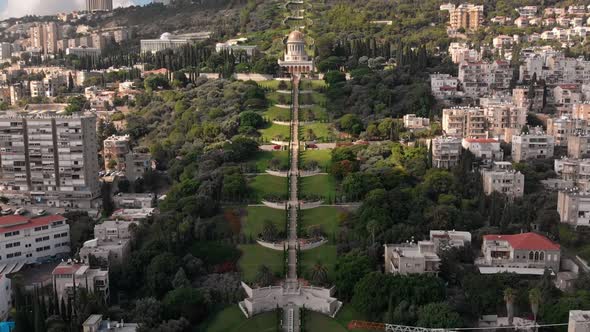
[(266, 184), (263, 158), (274, 131), (312, 98), (313, 84), (277, 113), (279, 98), (324, 185), (323, 157), (323, 131), (256, 216), (326, 216), (325, 254), (273, 84), (255, 255), (318, 113), (231, 319)]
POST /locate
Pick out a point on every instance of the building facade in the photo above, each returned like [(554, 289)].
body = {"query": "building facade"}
[(33, 240), (527, 253), (466, 16), (446, 152), (112, 242), (69, 275), (411, 258), (411, 121), (535, 145), (573, 206), (99, 5), (502, 178), (49, 159), (296, 60)]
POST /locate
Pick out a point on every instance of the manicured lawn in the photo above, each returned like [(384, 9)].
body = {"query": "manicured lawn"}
[(325, 254), (315, 113), (255, 255), (323, 131), (312, 98), (256, 216), (325, 216), (279, 98), (266, 184), (313, 84), (274, 84), (263, 158), (231, 319), (277, 113), (322, 185), (274, 131), (323, 157)]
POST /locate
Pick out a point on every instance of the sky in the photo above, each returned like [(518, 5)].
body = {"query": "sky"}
[(18, 8)]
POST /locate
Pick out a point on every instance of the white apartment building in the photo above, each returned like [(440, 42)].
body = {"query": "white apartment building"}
[(527, 11), (461, 52), (573, 206), (411, 121), (526, 253), (49, 159), (553, 67), (563, 127), (84, 51), (480, 78), (134, 201), (446, 151), (168, 41), (502, 41), (522, 99), (502, 178), (69, 275), (486, 149), (464, 122), (112, 242), (578, 146), (444, 86), (33, 240), (565, 96), (582, 110), (535, 145)]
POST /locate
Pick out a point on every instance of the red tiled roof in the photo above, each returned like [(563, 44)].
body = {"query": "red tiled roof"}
[(26, 222), (569, 86), (66, 269), (481, 140), (525, 241)]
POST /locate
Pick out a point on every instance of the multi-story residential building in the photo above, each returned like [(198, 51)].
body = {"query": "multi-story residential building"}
[(134, 201), (422, 257), (565, 96), (446, 151), (411, 121), (480, 78), (95, 323), (112, 242), (486, 149), (411, 258), (573, 206), (18, 91), (99, 5), (444, 86), (465, 122), (553, 67), (578, 146), (504, 119), (37, 89), (581, 111), (502, 178), (502, 41), (563, 127), (116, 149), (134, 214), (33, 240), (527, 11), (534, 145), (44, 37), (69, 275), (579, 320), (84, 51), (573, 173), (5, 51), (461, 52), (466, 16), (49, 159), (526, 253), (522, 98)]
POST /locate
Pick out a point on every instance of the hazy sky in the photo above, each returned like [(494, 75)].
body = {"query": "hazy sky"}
[(18, 8)]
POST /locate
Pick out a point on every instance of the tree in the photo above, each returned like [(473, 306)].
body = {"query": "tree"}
[(180, 279), (264, 277), (269, 231), (334, 77), (438, 315), (319, 274), (76, 104), (351, 124), (155, 82), (251, 119), (160, 272), (349, 269), (509, 297), (186, 302), (535, 300), (148, 312)]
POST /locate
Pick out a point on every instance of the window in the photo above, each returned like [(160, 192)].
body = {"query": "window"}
[(531, 255), (542, 256), (537, 256)]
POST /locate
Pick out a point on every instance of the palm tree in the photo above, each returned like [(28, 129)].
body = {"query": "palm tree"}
[(509, 299), (264, 277), (535, 300), (319, 274)]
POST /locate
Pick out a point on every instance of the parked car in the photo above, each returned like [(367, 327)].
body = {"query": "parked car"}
[(41, 212), (20, 211), (6, 212)]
